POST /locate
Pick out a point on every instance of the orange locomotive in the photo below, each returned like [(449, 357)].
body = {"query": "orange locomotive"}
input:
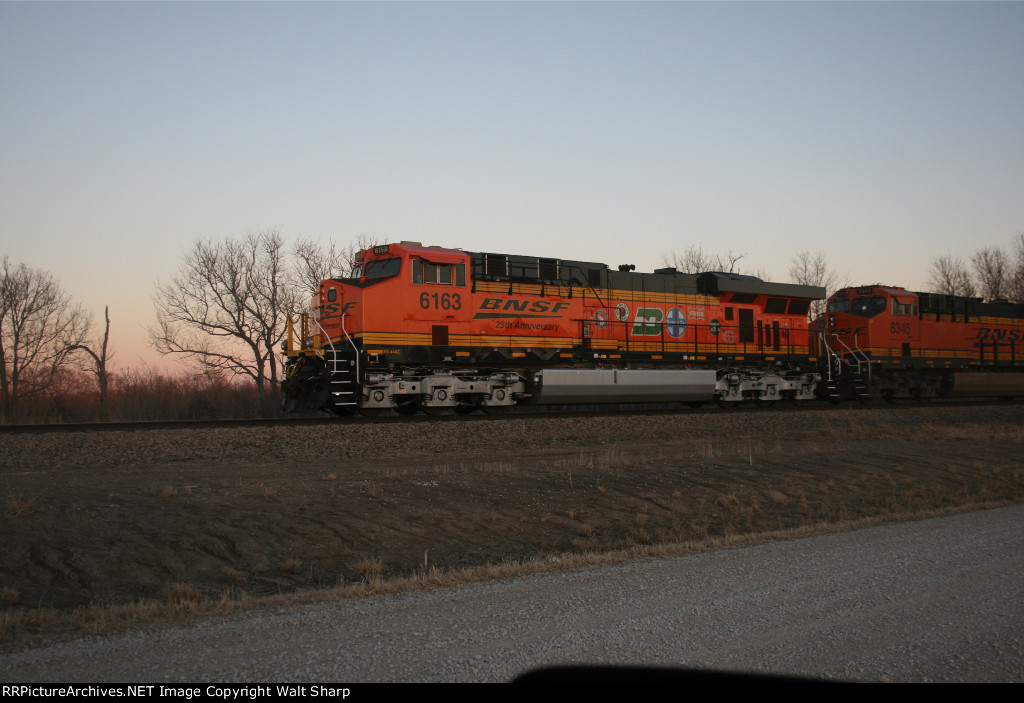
[(888, 342), (431, 328)]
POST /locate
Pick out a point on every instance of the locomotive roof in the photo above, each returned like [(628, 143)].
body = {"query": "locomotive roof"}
[(487, 265)]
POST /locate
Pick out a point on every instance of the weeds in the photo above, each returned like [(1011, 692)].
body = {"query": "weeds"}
[(19, 504), (182, 593), (369, 569)]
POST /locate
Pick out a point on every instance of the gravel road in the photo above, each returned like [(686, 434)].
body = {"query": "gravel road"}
[(936, 600)]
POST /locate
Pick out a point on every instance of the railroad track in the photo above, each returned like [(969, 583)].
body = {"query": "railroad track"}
[(518, 412)]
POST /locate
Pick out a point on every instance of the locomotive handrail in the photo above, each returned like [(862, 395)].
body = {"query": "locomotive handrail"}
[(852, 353), (351, 343), (830, 353), (862, 353), (327, 336)]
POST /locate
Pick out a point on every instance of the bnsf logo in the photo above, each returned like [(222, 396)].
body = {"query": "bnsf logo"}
[(512, 305), (1000, 334), (334, 308)]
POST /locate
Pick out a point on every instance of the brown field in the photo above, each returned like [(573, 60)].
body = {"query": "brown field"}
[(101, 530)]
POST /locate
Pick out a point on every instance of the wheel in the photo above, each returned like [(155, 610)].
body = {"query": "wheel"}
[(465, 409), (375, 412), (722, 403), (763, 402), (437, 411)]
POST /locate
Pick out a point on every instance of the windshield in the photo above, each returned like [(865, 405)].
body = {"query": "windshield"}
[(867, 307), (382, 268)]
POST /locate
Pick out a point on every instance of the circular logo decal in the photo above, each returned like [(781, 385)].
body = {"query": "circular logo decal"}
[(601, 319), (675, 322), (622, 312), (714, 326)]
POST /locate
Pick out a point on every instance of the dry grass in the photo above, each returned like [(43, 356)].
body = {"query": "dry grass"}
[(369, 569), (18, 504), (728, 501), (291, 565), (234, 576), (180, 593), (185, 601)]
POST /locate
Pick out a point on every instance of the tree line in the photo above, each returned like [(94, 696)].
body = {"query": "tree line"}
[(224, 313)]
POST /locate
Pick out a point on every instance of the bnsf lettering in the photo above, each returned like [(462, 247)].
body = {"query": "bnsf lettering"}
[(1000, 335), (513, 305), (332, 308)]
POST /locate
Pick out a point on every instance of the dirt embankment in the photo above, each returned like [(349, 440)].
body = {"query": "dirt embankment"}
[(116, 517)]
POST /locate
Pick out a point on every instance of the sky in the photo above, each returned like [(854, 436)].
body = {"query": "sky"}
[(884, 134)]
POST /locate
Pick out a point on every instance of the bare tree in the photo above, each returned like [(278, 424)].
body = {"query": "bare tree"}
[(39, 326), (992, 269), (1015, 276), (811, 269), (99, 363), (949, 275), (314, 262), (695, 260), (226, 307)]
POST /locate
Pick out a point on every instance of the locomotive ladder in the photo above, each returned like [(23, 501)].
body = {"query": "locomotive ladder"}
[(860, 365), (832, 379)]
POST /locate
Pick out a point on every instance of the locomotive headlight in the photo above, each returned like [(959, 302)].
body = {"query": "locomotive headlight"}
[(831, 321)]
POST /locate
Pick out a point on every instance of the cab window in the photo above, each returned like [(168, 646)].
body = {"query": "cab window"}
[(839, 306), (382, 268), (899, 308), (438, 274)]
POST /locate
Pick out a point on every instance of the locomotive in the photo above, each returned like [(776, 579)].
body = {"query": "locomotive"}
[(424, 327), (445, 330), (888, 342)]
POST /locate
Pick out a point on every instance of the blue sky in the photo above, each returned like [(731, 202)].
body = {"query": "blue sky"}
[(882, 133)]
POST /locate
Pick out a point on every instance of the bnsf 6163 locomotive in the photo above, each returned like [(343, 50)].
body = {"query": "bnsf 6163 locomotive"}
[(889, 342), (430, 328)]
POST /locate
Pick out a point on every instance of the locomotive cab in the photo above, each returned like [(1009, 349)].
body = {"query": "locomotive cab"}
[(873, 321)]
